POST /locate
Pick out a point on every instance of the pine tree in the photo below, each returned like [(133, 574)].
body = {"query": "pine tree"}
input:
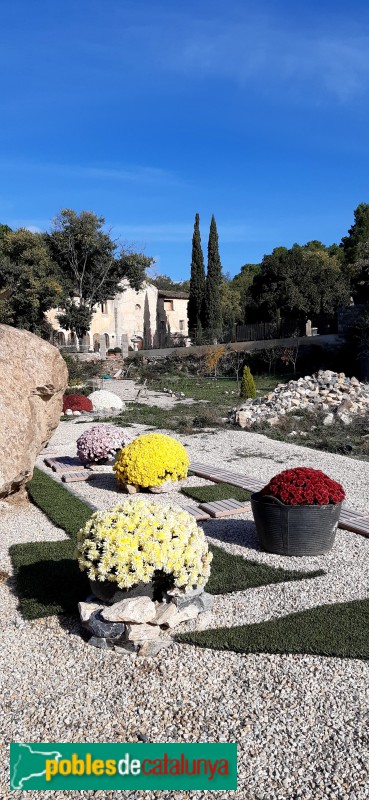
[(197, 282), (213, 305), (247, 384)]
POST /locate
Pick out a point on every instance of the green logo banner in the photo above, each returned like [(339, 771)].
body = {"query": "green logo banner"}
[(122, 766)]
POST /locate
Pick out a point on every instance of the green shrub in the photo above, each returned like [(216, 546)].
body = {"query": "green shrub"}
[(79, 371), (247, 384)]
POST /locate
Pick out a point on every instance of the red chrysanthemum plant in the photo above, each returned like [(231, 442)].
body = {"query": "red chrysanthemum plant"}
[(76, 402), (304, 486)]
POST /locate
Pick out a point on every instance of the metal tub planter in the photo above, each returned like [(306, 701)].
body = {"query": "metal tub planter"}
[(299, 530)]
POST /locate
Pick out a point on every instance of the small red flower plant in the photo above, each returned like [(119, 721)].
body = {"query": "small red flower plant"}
[(304, 486), (76, 402)]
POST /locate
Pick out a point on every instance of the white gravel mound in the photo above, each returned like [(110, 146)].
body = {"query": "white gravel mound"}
[(103, 400)]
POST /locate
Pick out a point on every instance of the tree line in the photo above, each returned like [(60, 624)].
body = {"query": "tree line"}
[(78, 264), (290, 283)]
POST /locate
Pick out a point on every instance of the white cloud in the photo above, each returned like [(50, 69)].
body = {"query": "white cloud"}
[(125, 174), (259, 51)]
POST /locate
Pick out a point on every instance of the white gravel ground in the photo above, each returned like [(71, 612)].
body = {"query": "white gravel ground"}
[(301, 722)]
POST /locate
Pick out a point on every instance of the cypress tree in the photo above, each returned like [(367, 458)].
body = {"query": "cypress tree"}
[(197, 282), (213, 305), (248, 388)]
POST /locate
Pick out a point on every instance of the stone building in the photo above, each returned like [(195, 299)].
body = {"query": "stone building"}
[(147, 318)]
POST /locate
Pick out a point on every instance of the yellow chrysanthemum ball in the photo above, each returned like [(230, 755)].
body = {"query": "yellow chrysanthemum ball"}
[(129, 543), (151, 460)]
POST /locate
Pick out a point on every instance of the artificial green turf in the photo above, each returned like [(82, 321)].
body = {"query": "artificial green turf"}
[(231, 573), (339, 630), (48, 577), (62, 508), (218, 491)]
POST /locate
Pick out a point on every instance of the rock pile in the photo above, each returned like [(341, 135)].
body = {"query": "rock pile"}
[(137, 624), (329, 392)]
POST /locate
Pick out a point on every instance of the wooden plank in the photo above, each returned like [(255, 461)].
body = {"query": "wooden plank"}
[(238, 506), (70, 477), (65, 463), (196, 512), (223, 476), (353, 515), (354, 527), (225, 508)]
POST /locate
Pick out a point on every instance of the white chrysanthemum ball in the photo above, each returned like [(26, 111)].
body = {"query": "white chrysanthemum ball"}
[(103, 400)]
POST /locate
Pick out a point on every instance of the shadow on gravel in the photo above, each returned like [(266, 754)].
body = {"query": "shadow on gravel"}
[(233, 531)]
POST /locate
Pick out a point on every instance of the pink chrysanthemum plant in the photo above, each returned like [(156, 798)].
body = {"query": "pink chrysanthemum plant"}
[(101, 442)]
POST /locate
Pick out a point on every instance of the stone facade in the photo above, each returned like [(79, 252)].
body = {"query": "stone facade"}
[(145, 317)]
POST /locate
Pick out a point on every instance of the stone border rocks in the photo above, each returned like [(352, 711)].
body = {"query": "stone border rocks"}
[(139, 625)]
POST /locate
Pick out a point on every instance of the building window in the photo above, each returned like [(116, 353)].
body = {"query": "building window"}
[(104, 307), (168, 305), (181, 325)]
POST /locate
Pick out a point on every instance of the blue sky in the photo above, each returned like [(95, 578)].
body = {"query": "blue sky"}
[(147, 111)]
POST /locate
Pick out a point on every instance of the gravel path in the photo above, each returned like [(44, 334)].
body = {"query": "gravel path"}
[(301, 721)]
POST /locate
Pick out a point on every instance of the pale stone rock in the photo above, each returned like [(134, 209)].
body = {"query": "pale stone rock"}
[(204, 621), (328, 420), (141, 633), (153, 648), (69, 412), (244, 419), (86, 609), (165, 612), (130, 488), (345, 418), (190, 612), (133, 609), (33, 380), (164, 488), (346, 405)]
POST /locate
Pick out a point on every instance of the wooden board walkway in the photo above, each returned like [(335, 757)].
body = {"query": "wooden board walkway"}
[(64, 464), (71, 477), (225, 508), (196, 512), (350, 519)]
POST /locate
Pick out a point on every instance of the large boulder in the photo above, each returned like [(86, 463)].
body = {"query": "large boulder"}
[(32, 382)]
